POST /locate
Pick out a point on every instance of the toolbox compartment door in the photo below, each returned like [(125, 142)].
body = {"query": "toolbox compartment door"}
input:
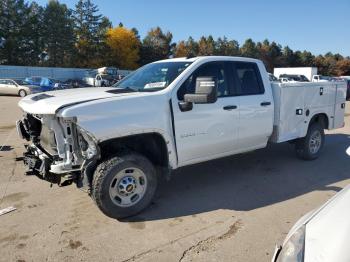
[(339, 105)]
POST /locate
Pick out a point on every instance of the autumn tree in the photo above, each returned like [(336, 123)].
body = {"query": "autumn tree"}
[(270, 54), (186, 48), (343, 67), (181, 49), (206, 46), (124, 47)]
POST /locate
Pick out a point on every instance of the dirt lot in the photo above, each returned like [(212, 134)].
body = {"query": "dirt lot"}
[(232, 209)]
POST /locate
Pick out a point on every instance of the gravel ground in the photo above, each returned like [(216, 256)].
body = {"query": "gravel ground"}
[(231, 209)]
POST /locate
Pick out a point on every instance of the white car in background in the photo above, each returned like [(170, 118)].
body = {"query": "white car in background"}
[(319, 78), (287, 80), (17, 87), (322, 235)]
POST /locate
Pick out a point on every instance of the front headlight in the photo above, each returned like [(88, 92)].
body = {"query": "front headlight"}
[(293, 249)]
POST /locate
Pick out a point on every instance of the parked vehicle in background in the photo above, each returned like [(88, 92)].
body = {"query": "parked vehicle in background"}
[(117, 142), (308, 72), (321, 235), (287, 80), (17, 87), (33, 80), (45, 83), (75, 83), (272, 78), (104, 76), (319, 78), (294, 78)]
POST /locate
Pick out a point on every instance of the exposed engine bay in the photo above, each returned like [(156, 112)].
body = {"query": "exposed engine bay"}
[(59, 151)]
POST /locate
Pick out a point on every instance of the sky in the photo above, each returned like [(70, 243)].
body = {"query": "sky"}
[(317, 26)]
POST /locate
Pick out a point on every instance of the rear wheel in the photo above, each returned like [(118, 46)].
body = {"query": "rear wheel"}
[(309, 147), (123, 186), (22, 93)]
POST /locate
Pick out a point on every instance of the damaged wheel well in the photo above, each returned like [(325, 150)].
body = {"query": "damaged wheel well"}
[(152, 146)]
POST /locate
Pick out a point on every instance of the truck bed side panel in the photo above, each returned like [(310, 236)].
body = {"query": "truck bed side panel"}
[(297, 103)]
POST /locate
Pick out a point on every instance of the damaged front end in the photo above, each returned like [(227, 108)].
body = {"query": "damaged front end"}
[(59, 151)]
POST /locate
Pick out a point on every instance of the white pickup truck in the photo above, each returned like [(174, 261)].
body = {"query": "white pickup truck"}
[(118, 142)]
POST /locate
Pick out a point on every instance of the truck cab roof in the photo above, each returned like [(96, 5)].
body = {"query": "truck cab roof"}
[(209, 58)]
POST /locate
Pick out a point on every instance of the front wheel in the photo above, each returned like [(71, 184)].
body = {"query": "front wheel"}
[(22, 93), (309, 147), (124, 185)]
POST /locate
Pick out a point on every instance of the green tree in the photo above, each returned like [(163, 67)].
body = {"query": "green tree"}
[(59, 35), (226, 47), (156, 46), (90, 30), (20, 32), (288, 57), (249, 49), (306, 58)]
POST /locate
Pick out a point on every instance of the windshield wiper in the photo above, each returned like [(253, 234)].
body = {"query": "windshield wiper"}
[(122, 90), (128, 88)]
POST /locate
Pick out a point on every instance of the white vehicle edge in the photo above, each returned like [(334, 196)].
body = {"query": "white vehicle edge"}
[(320, 235)]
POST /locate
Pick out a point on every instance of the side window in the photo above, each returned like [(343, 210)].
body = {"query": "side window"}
[(248, 78), (2, 82), (215, 69), (9, 82)]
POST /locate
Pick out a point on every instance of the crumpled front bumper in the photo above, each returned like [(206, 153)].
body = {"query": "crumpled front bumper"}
[(38, 166), (33, 159)]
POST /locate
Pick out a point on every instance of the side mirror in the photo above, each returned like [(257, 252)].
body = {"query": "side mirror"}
[(206, 91)]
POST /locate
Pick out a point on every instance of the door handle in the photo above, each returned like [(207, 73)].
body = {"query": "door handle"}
[(265, 103), (231, 107)]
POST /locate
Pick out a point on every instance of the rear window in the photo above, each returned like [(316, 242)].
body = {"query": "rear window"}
[(248, 78)]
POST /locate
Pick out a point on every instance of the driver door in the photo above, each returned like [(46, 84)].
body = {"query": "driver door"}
[(207, 131)]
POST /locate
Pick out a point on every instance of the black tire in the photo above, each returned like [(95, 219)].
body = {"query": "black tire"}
[(104, 177), (22, 93), (303, 146)]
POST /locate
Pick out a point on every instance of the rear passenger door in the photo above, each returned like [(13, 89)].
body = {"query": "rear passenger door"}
[(256, 106)]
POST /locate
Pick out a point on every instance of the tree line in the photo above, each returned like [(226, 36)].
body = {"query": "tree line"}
[(55, 35)]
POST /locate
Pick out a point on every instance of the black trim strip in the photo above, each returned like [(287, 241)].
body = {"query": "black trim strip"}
[(173, 127)]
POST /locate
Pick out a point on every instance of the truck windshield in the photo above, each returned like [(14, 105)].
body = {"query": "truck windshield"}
[(153, 77)]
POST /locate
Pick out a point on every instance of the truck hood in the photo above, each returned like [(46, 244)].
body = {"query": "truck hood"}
[(50, 102)]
